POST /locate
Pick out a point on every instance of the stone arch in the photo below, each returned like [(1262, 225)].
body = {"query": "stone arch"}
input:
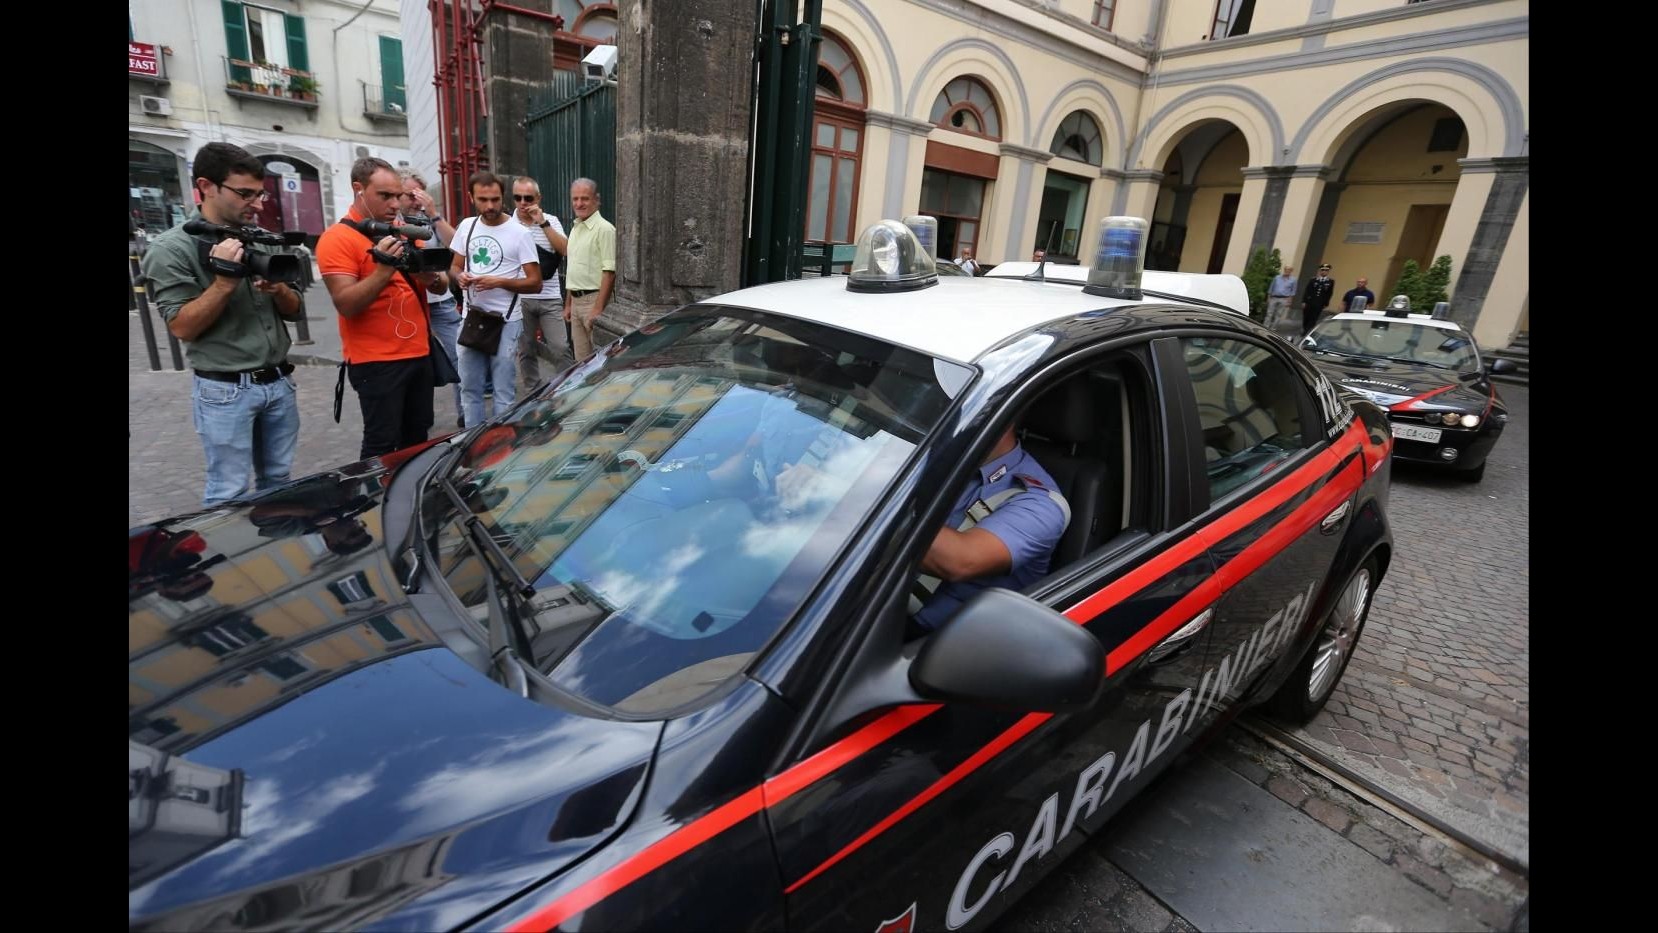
[(1245, 109), (979, 59), (1091, 97), (862, 32), (1487, 104)]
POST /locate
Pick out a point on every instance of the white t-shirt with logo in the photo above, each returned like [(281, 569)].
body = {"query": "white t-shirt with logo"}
[(549, 277), (499, 250)]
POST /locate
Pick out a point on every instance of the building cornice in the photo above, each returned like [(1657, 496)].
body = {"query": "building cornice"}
[(1025, 153), (1358, 51), (1324, 27), (897, 124), (1495, 165)]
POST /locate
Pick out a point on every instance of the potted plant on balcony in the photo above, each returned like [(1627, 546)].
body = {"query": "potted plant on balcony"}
[(303, 87)]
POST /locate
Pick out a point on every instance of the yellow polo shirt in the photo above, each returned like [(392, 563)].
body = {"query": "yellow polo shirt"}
[(592, 252)]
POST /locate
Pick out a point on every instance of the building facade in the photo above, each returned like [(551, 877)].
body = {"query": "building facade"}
[(314, 84), (1363, 133)]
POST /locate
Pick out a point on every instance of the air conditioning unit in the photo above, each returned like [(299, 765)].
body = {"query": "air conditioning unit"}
[(366, 152), (158, 106)]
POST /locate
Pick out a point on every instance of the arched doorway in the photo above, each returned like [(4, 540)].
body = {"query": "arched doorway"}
[(1197, 200), (954, 179), (155, 192), (1077, 143), (1395, 180), (290, 209), (837, 144)]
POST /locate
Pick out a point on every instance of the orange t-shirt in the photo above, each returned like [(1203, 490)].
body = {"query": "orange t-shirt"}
[(394, 326)]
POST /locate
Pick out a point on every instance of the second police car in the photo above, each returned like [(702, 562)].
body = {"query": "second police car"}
[(637, 654)]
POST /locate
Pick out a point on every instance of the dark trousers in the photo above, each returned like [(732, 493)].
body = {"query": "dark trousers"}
[(396, 398), (1309, 318)]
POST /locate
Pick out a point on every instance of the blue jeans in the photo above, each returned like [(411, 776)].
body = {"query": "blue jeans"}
[(245, 428), (502, 369), (446, 323)]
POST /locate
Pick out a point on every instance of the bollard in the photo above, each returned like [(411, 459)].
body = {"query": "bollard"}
[(142, 300)]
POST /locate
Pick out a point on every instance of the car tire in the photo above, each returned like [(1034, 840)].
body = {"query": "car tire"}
[(1309, 687), (1474, 475)]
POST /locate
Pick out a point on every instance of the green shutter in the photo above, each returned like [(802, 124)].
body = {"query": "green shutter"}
[(236, 38), (297, 59), (391, 75)]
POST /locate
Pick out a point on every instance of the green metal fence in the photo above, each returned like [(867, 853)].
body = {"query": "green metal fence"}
[(571, 132)]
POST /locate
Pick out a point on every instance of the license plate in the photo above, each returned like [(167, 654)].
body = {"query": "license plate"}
[(1411, 432)]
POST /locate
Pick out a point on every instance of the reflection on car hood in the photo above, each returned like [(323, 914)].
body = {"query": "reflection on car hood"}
[(1390, 382), (305, 752)]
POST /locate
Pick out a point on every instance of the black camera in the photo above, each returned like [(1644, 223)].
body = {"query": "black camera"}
[(415, 259), (272, 267)]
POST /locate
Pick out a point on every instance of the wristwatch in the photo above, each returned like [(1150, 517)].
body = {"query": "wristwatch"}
[(437, 220), (546, 223)]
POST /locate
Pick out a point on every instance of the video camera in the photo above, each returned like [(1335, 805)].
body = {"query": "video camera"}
[(272, 267), (415, 259)]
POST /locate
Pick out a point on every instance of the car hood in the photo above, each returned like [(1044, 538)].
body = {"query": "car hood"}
[(305, 751), (1390, 382)]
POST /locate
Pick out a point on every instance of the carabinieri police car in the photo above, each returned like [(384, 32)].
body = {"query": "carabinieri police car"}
[(638, 654)]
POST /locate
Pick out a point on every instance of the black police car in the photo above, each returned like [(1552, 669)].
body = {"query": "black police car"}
[(599, 664), (1444, 409)]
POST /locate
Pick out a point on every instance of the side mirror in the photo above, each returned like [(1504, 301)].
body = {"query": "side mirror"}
[(1008, 651), (1499, 367), (1308, 343)]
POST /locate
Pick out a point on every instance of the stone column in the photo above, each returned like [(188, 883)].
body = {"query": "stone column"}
[(891, 188), (682, 134), (1137, 193), (1019, 181), (518, 61), (1493, 202), (1295, 220), (1245, 225)]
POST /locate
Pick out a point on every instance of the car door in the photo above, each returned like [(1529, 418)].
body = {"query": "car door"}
[(1278, 479), (936, 816)]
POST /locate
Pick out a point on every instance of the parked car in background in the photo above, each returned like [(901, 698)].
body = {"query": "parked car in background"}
[(1442, 405)]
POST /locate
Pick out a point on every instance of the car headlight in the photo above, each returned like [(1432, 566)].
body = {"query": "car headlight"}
[(1448, 418), (1470, 421)]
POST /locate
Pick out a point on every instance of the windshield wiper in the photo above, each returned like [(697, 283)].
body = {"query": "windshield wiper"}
[(507, 588), (411, 553)]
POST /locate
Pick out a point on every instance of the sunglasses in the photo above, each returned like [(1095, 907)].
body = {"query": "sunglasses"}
[(247, 194), (524, 198)]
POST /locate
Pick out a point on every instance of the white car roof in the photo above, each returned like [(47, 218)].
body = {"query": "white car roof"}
[(1377, 315), (1221, 289), (958, 319)]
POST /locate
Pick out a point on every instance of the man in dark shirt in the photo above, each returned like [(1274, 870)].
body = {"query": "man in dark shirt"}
[(233, 329), (1362, 290)]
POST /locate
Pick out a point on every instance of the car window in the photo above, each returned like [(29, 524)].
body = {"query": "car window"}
[(1249, 408), (1393, 339), (675, 505)]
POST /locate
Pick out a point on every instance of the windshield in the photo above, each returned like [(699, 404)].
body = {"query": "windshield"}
[(1393, 339), (674, 502)]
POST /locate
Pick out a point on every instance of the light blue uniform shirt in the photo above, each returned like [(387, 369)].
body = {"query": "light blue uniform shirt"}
[(1030, 524)]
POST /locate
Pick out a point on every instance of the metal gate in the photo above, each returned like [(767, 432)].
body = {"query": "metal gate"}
[(571, 134)]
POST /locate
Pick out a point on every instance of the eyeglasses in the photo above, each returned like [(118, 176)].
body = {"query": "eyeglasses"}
[(523, 198), (248, 194)]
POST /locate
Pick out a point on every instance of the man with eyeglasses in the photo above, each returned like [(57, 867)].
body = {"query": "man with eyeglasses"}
[(542, 309), (242, 390)]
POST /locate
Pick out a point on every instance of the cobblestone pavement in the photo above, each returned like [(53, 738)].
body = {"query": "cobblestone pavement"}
[(1091, 892), (165, 468), (1435, 705)]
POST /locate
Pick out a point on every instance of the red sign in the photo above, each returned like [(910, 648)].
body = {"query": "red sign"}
[(142, 60)]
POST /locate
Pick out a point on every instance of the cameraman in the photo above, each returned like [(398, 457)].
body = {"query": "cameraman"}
[(242, 394), (383, 324)]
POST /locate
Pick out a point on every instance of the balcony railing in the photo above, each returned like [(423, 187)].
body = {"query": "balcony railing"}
[(268, 82), (380, 103), (146, 62)]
